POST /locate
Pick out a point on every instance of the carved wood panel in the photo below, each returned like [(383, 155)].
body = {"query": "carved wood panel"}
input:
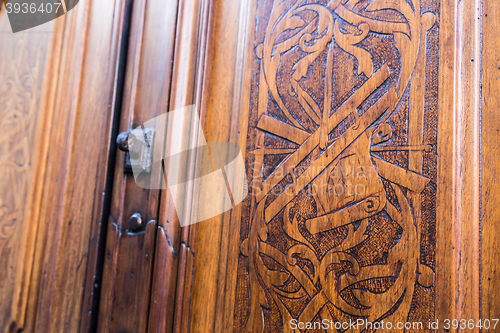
[(341, 162)]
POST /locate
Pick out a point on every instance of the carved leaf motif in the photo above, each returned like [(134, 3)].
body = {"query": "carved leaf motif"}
[(323, 23), (296, 22), (348, 41), (292, 228)]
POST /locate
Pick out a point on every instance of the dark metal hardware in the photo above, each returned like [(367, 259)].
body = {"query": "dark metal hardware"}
[(139, 151), (135, 222), (122, 141)]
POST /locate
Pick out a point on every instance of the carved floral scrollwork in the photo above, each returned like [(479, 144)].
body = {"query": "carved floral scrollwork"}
[(314, 30)]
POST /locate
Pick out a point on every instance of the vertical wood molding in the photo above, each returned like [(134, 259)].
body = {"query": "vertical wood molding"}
[(25, 86), (79, 105), (227, 90), (490, 161), (467, 159), (125, 302), (445, 277), (175, 251), (230, 246), (458, 215)]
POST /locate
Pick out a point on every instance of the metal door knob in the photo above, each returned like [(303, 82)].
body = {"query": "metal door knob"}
[(135, 222), (122, 141)]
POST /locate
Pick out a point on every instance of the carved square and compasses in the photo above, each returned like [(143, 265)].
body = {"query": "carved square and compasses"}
[(317, 161)]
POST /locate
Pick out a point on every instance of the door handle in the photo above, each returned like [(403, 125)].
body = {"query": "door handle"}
[(140, 151)]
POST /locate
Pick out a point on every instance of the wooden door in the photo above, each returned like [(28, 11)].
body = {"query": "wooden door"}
[(369, 140), (370, 130), (59, 84), (148, 268), (25, 62), (370, 136)]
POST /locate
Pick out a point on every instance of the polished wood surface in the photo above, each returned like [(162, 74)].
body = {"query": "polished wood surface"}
[(489, 162), (308, 252), (82, 94), (369, 130), (129, 255), (25, 62), (291, 265), (67, 75), (175, 249), (458, 237)]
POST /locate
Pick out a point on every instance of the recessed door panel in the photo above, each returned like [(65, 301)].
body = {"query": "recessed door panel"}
[(342, 154)]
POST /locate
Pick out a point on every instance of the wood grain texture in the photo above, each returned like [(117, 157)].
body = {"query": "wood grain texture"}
[(445, 247), (467, 159), (369, 130), (458, 214), (75, 148), (302, 55), (216, 239), (490, 165), (24, 67), (129, 256), (172, 278)]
